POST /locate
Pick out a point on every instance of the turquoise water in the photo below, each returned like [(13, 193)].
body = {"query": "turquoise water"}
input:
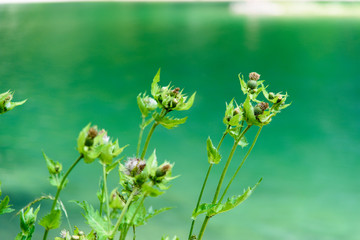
[(80, 63)]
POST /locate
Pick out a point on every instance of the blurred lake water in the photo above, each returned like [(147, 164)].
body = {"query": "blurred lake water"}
[(86, 62)]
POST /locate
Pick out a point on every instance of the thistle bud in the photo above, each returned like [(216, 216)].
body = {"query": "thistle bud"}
[(252, 84), (163, 169), (134, 166), (260, 108), (236, 111), (254, 76), (271, 95), (92, 133), (279, 98), (150, 103)]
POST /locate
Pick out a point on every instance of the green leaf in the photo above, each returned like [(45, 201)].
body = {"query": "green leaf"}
[(214, 156), (249, 112), (232, 202), (151, 164), (150, 190), (187, 105), (4, 206), (15, 104), (51, 220), (169, 122), (152, 213), (28, 219), (203, 208), (96, 222), (154, 86), (82, 137), (53, 167), (243, 84)]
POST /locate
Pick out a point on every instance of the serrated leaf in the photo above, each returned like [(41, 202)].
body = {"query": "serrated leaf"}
[(96, 222), (169, 122), (202, 208), (54, 181), (243, 84), (154, 85), (213, 154), (232, 202), (243, 142), (82, 137), (150, 190), (187, 105), (51, 220)]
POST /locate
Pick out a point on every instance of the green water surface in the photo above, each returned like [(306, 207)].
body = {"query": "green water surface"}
[(86, 62)]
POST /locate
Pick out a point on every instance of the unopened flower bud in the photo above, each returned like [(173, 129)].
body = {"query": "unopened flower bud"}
[(173, 103), (252, 84), (150, 103), (279, 98), (236, 111), (254, 76), (163, 169), (260, 108), (75, 237), (92, 133), (271, 95), (134, 166)]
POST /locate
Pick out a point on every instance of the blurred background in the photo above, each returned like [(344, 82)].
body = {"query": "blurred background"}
[(86, 62)]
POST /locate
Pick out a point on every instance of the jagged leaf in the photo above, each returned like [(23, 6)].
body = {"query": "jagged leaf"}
[(214, 156), (4, 206), (96, 222), (186, 105), (51, 220), (154, 85), (202, 208), (170, 122)]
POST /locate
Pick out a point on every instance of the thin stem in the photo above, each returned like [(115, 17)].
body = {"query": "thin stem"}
[(241, 164), (106, 193), (140, 136), (162, 114), (206, 220), (60, 187), (203, 187), (228, 163), (136, 211), (134, 232), (122, 213)]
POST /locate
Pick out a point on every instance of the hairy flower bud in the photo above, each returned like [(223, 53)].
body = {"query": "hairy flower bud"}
[(260, 108), (236, 111), (279, 98), (254, 76), (134, 166), (150, 103)]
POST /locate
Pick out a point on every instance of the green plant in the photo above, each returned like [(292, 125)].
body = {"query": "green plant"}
[(123, 209)]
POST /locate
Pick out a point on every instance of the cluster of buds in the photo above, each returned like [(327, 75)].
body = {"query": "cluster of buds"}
[(170, 98), (262, 113), (5, 102), (77, 235), (94, 144)]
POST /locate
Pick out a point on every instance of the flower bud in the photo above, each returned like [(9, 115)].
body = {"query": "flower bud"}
[(163, 169), (150, 103), (75, 237), (252, 84), (279, 98), (92, 133), (260, 108), (236, 111), (174, 102), (271, 95), (254, 76), (134, 166)]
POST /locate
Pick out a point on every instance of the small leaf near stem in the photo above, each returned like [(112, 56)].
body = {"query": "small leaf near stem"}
[(204, 184), (206, 220), (241, 164), (60, 188), (123, 213)]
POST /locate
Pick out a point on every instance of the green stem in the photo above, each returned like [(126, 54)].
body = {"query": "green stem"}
[(162, 114), (60, 187), (241, 164), (122, 215), (136, 211), (203, 187), (140, 136), (134, 232), (206, 220), (106, 194)]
